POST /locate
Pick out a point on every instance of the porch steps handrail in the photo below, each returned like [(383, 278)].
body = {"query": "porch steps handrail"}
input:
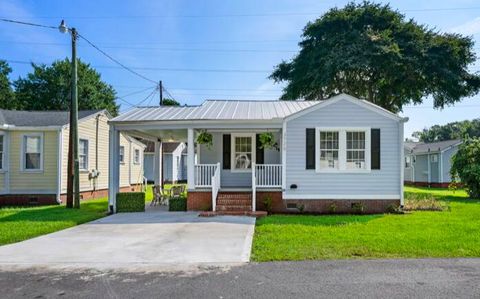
[(204, 174), (215, 186)]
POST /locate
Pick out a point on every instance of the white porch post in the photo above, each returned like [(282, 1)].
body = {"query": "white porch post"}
[(114, 168), (157, 163), (284, 156), (190, 160)]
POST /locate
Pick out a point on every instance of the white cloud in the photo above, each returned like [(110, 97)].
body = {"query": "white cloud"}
[(468, 28)]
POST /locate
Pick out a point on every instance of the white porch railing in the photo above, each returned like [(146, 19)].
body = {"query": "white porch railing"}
[(215, 186), (265, 176), (204, 174), (268, 175)]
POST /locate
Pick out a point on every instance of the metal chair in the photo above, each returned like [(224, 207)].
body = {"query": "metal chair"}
[(158, 196), (176, 191)]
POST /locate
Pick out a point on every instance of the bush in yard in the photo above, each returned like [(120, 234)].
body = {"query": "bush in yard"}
[(466, 166), (177, 204), (131, 202), (267, 202)]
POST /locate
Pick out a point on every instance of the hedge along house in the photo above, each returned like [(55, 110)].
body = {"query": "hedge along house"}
[(342, 151), (34, 151), (428, 164)]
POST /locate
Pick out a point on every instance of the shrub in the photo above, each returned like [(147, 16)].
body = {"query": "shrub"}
[(177, 204), (301, 208), (131, 202), (394, 209), (332, 208), (267, 202), (466, 166), (358, 208)]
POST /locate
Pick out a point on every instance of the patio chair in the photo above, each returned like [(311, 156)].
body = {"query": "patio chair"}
[(158, 196), (176, 191)]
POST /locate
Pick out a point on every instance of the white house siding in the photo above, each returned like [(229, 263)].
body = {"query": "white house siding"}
[(421, 168), (385, 181), (229, 178), (136, 176), (408, 171)]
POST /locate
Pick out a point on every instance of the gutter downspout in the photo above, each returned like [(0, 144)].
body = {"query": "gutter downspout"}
[(59, 165)]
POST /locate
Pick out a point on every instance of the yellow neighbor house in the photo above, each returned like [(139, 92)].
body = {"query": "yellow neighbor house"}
[(33, 156)]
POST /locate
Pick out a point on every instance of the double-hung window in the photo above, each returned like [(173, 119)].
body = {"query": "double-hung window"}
[(83, 154), (343, 149), (136, 156), (243, 152), (408, 161), (122, 154), (32, 152)]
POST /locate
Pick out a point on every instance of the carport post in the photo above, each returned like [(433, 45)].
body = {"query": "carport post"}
[(157, 163), (190, 160), (113, 169)]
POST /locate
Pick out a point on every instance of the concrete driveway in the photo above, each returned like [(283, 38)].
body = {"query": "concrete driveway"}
[(154, 239)]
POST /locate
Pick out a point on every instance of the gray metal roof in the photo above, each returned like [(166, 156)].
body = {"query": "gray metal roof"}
[(421, 147), (218, 110), (20, 118)]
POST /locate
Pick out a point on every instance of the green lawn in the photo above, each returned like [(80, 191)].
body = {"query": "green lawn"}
[(451, 233), (21, 223)]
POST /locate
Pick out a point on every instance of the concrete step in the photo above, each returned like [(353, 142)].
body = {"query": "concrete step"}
[(256, 214), (234, 208)]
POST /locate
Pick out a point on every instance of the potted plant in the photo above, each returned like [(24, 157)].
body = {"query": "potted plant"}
[(205, 138)]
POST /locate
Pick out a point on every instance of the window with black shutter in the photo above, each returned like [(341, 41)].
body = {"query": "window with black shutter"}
[(226, 151), (375, 148), (259, 155), (310, 149)]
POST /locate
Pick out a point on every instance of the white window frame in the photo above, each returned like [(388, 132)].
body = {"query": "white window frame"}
[(121, 157), (434, 158), (408, 164), (87, 157), (2, 153), (135, 161), (22, 159), (232, 151), (342, 149)]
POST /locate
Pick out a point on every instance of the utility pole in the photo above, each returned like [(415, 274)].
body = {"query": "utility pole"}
[(73, 182), (160, 88)]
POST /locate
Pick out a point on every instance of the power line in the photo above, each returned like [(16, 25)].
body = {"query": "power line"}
[(27, 23), (137, 92), (115, 60), (154, 91), (241, 15)]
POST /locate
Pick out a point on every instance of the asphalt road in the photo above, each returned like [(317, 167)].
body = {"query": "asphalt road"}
[(423, 278)]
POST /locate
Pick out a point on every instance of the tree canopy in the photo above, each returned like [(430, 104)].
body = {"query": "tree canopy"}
[(7, 97), (170, 102), (453, 130), (466, 166), (48, 88), (371, 51)]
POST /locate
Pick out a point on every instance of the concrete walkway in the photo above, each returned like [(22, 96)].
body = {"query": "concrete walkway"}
[(155, 240)]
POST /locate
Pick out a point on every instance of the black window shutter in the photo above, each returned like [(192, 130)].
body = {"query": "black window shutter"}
[(310, 149), (375, 148), (259, 155), (226, 151)]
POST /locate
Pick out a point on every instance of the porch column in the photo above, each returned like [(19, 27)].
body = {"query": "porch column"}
[(157, 163), (190, 160), (114, 168)]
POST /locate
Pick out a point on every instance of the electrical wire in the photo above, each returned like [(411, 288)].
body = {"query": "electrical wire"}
[(28, 23), (147, 97)]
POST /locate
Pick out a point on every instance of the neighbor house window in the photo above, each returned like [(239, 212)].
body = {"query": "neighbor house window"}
[(122, 154), (433, 158), (408, 161), (243, 154), (356, 150), (1, 151), (329, 147), (136, 156), (83, 154), (32, 149), (343, 149)]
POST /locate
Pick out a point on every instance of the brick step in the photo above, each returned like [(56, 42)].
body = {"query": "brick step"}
[(234, 208), (256, 214), (234, 202), (234, 196)]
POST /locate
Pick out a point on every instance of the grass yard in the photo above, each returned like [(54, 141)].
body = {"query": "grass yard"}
[(454, 232), (21, 223)]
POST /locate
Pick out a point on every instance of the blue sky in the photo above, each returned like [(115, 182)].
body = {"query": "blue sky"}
[(204, 49)]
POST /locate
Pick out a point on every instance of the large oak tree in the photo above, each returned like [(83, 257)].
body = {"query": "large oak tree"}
[(48, 88), (7, 97), (371, 51)]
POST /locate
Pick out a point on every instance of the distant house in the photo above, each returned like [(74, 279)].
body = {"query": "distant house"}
[(174, 162), (428, 164), (34, 151), (341, 154)]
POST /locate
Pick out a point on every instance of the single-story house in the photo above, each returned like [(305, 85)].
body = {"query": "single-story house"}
[(174, 162), (34, 151), (428, 164), (339, 154)]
